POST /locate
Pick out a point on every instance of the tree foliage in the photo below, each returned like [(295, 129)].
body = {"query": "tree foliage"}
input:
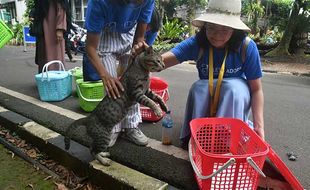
[(168, 8), (291, 28), (29, 5), (279, 12), (253, 11)]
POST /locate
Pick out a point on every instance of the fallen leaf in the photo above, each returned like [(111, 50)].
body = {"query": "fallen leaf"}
[(32, 153), (12, 154), (60, 186), (30, 185), (11, 140), (36, 167), (47, 178), (89, 186), (21, 144)]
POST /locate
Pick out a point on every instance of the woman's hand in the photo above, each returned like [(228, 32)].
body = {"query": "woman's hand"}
[(112, 86), (260, 131), (59, 35)]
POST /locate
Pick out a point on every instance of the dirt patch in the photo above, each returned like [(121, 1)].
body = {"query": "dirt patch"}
[(59, 178), (289, 64)]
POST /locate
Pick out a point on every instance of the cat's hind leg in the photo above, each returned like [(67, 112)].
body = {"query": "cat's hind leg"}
[(70, 129), (102, 157), (100, 141), (101, 153)]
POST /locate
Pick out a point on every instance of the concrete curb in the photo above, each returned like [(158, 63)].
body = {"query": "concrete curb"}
[(267, 71), (287, 73), (78, 158)]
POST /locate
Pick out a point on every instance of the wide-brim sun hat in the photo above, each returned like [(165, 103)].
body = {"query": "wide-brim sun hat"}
[(222, 12)]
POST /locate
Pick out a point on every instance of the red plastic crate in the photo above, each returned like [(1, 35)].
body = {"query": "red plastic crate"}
[(226, 154), (160, 87)]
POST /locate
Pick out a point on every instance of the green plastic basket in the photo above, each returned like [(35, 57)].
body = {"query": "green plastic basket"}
[(5, 34), (77, 73), (90, 94)]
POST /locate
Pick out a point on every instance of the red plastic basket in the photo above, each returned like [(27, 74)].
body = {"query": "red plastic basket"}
[(160, 87), (284, 170), (226, 154)]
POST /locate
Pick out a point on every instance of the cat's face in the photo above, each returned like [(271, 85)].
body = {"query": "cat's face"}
[(151, 61)]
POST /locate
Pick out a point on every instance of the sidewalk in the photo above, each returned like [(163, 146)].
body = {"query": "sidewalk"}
[(78, 158)]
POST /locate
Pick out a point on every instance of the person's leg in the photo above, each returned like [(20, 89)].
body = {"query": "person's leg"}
[(197, 106), (235, 99), (130, 126), (68, 49), (110, 63), (234, 102), (40, 55), (133, 118), (118, 44)]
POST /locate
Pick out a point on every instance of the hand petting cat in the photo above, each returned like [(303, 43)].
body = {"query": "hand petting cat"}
[(112, 86), (138, 48)]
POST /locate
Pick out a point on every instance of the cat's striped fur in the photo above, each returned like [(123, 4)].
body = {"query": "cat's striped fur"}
[(111, 111)]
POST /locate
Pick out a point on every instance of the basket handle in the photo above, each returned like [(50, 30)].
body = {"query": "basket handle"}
[(226, 165), (71, 71), (86, 99), (254, 165), (45, 68), (61, 65)]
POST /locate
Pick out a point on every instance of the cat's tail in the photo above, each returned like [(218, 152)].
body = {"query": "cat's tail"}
[(68, 134), (67, 138)]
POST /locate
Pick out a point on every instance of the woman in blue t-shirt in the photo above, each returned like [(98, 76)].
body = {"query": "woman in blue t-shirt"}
[(218, 49), (113, 26)]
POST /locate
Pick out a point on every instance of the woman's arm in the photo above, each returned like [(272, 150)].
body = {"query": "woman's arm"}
[(257, 105), (61, 21), (169, 59), (112, 85)]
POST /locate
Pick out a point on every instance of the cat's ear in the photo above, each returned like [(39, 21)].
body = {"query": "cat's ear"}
[(149, 50)]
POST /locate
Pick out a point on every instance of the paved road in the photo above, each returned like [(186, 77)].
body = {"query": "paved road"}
[(287, 109)]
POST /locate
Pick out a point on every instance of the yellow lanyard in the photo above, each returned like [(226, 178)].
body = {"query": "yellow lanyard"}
[(214, 98)]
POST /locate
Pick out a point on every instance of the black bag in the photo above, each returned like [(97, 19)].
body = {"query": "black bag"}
[(36, 29)]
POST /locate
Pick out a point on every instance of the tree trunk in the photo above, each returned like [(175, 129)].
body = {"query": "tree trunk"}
[(282, 48), (190, 15), (301, 43)]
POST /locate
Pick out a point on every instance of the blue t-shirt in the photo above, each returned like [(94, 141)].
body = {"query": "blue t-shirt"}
[(110, 15), (251, 69), (150, 37)]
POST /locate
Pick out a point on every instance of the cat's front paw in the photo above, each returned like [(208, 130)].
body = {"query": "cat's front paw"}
[(102, 157), (164, 107), (158, 112)]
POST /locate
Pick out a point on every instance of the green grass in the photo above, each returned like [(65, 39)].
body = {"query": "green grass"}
[(17, 174)]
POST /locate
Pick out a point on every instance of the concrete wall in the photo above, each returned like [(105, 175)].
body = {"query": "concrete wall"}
[(20, 10)]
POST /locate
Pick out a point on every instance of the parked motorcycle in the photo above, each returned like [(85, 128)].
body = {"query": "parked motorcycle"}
[(77, 38)]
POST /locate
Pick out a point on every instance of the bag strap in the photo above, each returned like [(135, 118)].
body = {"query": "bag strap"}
[(200, 54), (244, 48)]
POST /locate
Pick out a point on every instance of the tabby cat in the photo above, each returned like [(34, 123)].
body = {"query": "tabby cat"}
[(110, 111)]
